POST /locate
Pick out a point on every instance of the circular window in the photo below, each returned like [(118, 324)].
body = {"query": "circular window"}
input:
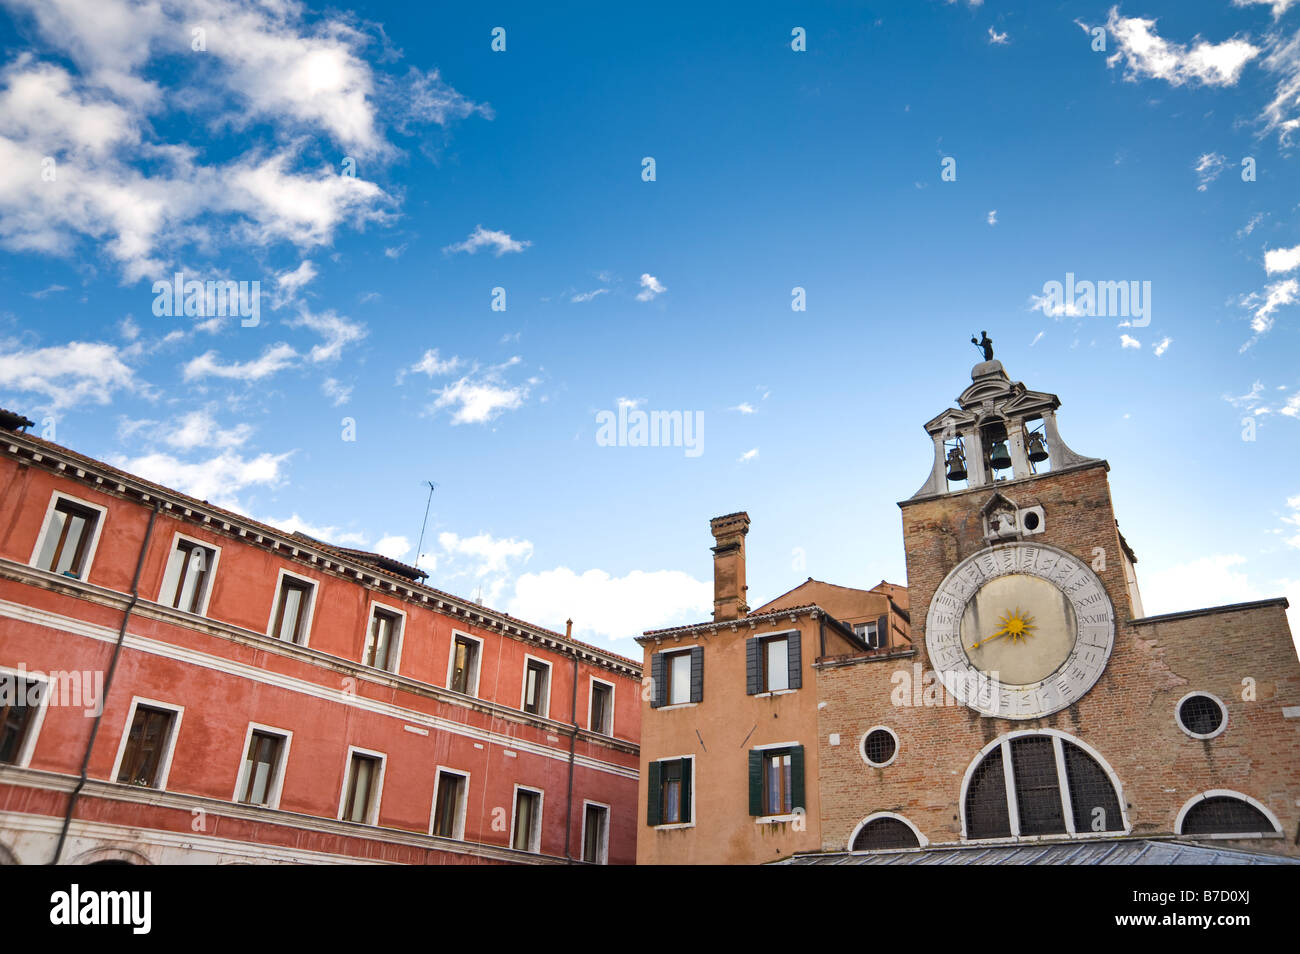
[(879, 746), (1201, 715)]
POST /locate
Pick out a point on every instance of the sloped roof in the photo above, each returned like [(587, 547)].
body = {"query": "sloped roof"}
[(1096, 851)]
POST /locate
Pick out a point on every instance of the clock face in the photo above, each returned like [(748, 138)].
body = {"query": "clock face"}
[(1020, 631)]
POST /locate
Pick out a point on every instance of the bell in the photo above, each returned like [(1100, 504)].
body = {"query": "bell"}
[(956, 465), (1037, 449), (1000, 459)]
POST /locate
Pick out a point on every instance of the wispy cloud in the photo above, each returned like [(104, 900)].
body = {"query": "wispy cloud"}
[(499, 242), (1208, 168), (274, 358), (651, 288), (996, 38), (67, 375)]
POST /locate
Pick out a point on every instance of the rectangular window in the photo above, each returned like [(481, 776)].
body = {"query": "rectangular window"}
[(776, 783), (464, 665), (20, 703), (292, 606), (776, 666), (381, 639), (602, 708), (188, 576), (773, 663), (871, 632), (536, 677), (449, 805), (66, 545), (776, 780), (146, 746), (669, 796), (595, 834), (362, 788), (262, 766), (679, 678), (528, 816)]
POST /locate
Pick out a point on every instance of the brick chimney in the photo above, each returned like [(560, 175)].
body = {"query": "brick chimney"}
[(729, 566)]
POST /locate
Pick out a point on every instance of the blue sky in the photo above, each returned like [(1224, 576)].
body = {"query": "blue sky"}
[(223, 154)]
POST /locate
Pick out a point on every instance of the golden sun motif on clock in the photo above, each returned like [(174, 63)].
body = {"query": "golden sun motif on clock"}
[(1016, 626)]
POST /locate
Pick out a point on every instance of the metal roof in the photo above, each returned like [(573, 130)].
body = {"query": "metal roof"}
[(1109, 851)]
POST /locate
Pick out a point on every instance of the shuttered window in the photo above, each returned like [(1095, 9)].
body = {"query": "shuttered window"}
[(773, 663), (776, 782), (668, 799), (677, 678)]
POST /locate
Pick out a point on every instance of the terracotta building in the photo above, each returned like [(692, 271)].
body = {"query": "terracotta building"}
[(181, 684), (1023, 708)]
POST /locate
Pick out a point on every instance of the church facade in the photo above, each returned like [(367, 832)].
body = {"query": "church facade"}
[(1025, 700)]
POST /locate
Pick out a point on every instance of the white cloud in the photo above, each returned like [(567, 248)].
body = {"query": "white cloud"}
[(1037, 338), (395, 251), (273, 359), (499, 242), (1126, 342), (1278, 7), (338, 333), (1251, 225), (488, 554), (1275, 296), (996, 38), (607, 607), (432, 365), (336, 392), (992, 217), (1197, 584), (744, 408), (1145, 54), (588, 296), (478, 401), (393, 547), (1281, 260), (747, 456), (1162, 346), (330, 534), (217, 479), (288, 284), (1208, 168), (200, 429), (650, 288), (69, 374), (1053, 308)]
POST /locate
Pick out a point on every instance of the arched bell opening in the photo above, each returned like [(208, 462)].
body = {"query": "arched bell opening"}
[(1037, 447), (995, 440)]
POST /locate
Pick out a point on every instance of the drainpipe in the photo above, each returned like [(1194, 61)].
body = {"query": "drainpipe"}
[(573, 741), (108, 682)]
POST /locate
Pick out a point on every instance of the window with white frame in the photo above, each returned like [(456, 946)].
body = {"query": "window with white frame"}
[(537, 687), (601, 717), (595, 833), (291, 615), (23, 700), (450, 797), (362, 787), (68, 539), (463, 669), (383, 638), (187, 581), (145, 753), (526, 827), (261, 774)]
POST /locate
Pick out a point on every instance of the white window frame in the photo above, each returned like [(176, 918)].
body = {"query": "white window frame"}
[(311, 607), (394, 650), (862, 746), (669, 655), (372, 814), (93, 545), (535, 846), (1002, 742), (169, 575), (921, 840), (545, 708), (276, 785), (165, 763), (604, 846), (1223, 726), (670, 826), (461, 809), (591, 699), (478, 662), (784, 816), (23, 757), (1259, 806)]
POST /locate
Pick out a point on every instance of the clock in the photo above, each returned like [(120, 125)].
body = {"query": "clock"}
[(1019, 631)]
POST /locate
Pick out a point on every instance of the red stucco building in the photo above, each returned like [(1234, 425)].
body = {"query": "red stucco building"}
[(181, 684)]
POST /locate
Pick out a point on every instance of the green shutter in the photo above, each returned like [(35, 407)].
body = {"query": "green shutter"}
[(658, 682), (753, 666), (697, 674), (796, 778), (687, 765), (882, 631), (654, 795), (794, 660), (755, 782)]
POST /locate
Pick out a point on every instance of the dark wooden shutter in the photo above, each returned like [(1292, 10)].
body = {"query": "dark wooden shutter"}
[(658, 682), (882, 631), (753, 666), (697, 674), (654, 795), (796, 777), (794, 660), (755, 781), (687, 765)]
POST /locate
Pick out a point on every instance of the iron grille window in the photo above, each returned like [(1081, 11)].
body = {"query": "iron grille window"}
[(1084, 801), (1038, 789), (1200, 715), (879, 746), (883, 834), (1222, 815)]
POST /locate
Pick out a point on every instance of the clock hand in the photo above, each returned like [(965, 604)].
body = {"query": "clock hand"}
[(1004, 632)]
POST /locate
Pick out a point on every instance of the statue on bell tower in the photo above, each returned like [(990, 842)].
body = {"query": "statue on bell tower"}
[(986, 345)]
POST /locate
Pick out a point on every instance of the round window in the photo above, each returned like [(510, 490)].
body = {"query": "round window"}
[(1201, 715), (879, 746)]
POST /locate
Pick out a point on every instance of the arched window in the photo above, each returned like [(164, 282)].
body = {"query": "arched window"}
[(884, 832), (1039, 783), (1225, 813)]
